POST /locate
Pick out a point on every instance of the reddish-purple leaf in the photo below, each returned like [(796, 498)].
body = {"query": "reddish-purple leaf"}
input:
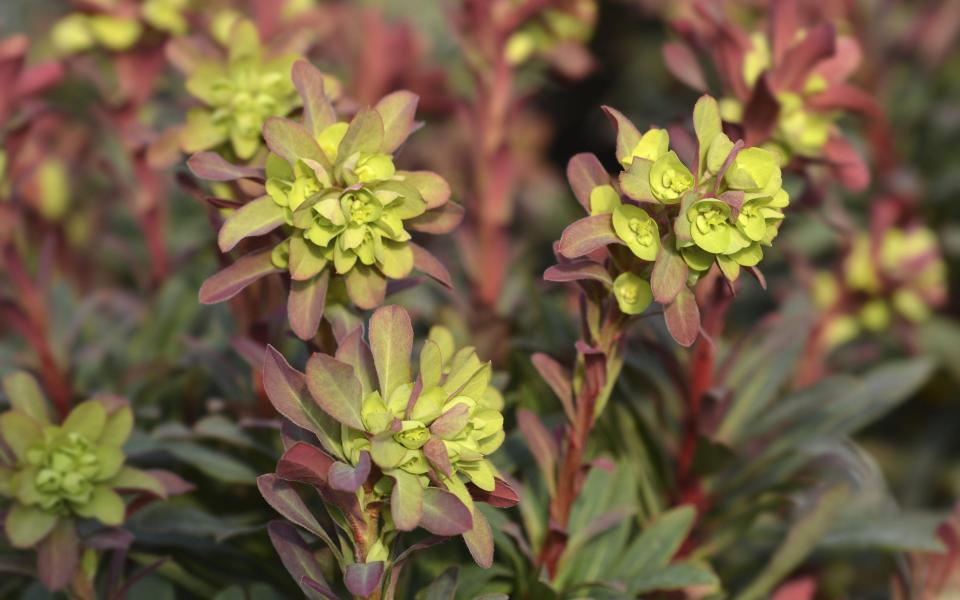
[(586, 235), (305, 463), (258, 217), (299, 560), (669, 274), (305, 305), (362, 579), (212, 167), (542, 446), (173, 484), (318, 113), (366, 286), (444, 513), (230, 281), (843, 63), (58, 556), (291, 140), (502, 496), (397, 111), (480, 540), (682, 62), (558, 378), (391, 342), (365, 134), (842, 96), (783, 27), (354, 351), (585, 172), (436, 452), (335, 389), (627, 134), (800, 59), (577, 270), (347, 478), (284, 499), (451, 422), (761, 112), (847, 164), (428, 263), (682, 317), (437, 221)]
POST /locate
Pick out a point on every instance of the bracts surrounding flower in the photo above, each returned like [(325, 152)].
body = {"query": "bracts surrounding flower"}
[(657, 229), (341, 205), (57, 475), (395, 448)]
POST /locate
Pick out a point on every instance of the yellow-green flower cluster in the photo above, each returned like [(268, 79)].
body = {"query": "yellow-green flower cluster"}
[(567, 22), (239, 93), (80, 31)]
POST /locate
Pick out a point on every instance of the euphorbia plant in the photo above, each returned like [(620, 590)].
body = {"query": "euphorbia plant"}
[(343, 207), (389, 448), (55, 475)]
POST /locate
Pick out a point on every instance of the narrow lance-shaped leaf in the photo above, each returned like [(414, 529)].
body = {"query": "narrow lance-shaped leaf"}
[(669, 274), (586, 235), (682, 317), (682, 62), (291, 141), (284, 499), (58, 556), (24, 394), (258, 217), (233, 279), (585, 172), (391, 341), (397, 111), (299, 560), (318, 113), (212, 167), (444, 513), (406, 500), (306, 464), (627, 135), (305, 305), (542, 446), (335, 389), (429, 264)]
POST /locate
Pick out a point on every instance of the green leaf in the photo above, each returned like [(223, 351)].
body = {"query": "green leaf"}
[(132, 479), (894, 533), (443, 587), (706, 122), (627, 135), (118, 427), (212, 167), (212, 463), (391, 342), (305, 305), (87, 418), (676, 577), (364, 135), (105, 505), (396, 111), (232, 280), (25, 396), (658, 543), (258, 217), (335, 389), (27, 525), (635, 181), (406, 500), (433, 188), (800, 541), (19, 432), (291, 141)]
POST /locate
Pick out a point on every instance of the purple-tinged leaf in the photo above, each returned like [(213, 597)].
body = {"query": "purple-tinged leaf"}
[(758, 275), (502, 496), (353, 350), (305, 305), (846, 164), (682, 62), (306, 464), (391, 342), (585, 172), (406, 500), (842, 96), (432, 187), (800, 60), (299, 560), (436, 452), (444, 587), (284, 499), (287, 390), (682, 317), (291, 140), (230, 281), (366, 286), (397, 111), (586, 235), (577, 270), (444, 513), (669, 274), (452, 422), (782, 27), (761, 112), (627, 134), (212, 167), (335, 389), (437, 221), (258, 217), (347, 478), (362, 579), (318, 113), (173, 484), (542, 446), (480, 540), (109, 538), (558, 378), (365, 134), (58, 556), (429, 264), (635, 181)]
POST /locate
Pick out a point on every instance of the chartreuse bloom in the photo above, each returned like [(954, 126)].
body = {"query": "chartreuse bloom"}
[(632, 292), (413, 440), (345, 209), (903, 276), (239, 92), (60, 473), (573, 22)]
